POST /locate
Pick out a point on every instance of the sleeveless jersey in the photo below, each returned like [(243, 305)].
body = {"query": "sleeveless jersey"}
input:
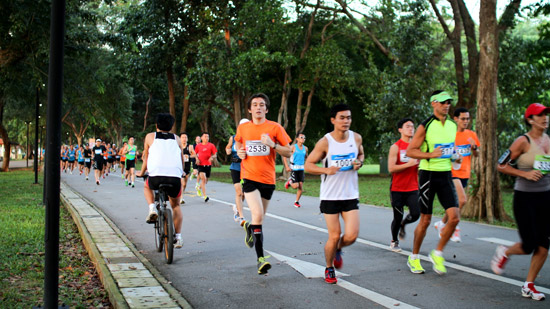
[(438, 135), (234, 165), (406, 180), (131, 155), (71, 155), (165, 156), (186, 154), (298, 158), (344, 184), (80, 156)]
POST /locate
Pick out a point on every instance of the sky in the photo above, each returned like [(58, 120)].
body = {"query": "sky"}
[(473, 6)]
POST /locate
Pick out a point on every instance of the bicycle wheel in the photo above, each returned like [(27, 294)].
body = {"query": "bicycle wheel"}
[(169, 236)]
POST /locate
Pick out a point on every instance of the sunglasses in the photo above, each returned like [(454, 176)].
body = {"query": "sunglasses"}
[(446, 102)]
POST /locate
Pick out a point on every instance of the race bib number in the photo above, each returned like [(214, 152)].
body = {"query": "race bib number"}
[(296, 167), (446, 149), (185, 158), (97, 151), (403, 156), (87, 160), (132, 153), (257, 149), (464, 150), (344, 162), (542, 163)]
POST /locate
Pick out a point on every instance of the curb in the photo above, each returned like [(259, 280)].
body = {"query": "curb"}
[(130, 280)]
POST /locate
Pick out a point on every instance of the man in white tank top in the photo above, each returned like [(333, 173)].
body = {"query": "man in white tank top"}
[(163, 158), (341, 152)]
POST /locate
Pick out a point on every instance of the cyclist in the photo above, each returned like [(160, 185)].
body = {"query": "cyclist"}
[(163, 159)]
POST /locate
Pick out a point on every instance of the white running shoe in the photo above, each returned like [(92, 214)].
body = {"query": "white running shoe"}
[(456, 235), (394, 246), (152, 216), (499, 260), (235, 213), (439, 225), (179, 243), (530, 291)]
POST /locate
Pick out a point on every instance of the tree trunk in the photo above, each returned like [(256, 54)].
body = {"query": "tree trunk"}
[(171, 93), (237, 107), (282, 119), (486, 203), (146, 112), (185, 114)]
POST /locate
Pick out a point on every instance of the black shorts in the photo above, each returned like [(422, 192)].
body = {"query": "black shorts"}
[(110, 160), (205, 169), (186, 168), (401, 199), (298, 176), (155, 182), (88, 164), (266, 190), (336, 207), (194, 163), (81, 162), (130, 164), (531, 212), (71, 161), (64, 159), (463, 181), (236, 176), (98, 164), (430, 183)]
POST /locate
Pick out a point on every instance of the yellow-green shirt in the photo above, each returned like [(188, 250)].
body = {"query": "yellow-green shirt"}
[(438, 134)]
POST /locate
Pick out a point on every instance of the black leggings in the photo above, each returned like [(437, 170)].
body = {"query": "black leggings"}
[(398, 201), (532, 210)]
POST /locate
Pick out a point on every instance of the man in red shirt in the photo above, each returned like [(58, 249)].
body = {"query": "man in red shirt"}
[(205, 152)]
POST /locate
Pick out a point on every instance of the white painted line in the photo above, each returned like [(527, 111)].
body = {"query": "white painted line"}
[(407, 253), (311, 270), (497, 241)]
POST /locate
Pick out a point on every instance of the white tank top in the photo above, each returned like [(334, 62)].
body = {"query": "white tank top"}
[(165, 156), (344, 184)]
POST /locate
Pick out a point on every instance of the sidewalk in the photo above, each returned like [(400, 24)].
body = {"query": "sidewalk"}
[(129, 279)]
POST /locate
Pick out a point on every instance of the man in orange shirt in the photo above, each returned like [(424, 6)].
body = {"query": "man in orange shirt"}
[(257, 142), (467, 145)]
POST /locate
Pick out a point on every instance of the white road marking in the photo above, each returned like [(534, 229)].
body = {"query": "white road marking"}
[(497, 241), (405, 253), (311, 270)]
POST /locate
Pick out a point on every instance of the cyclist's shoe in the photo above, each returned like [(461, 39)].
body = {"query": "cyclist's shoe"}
[(438, 263), (297, 204), (263, 265), (152, 216), (338, 261), (248, 239), (439, 225), (330, 275), (402, 233), (530, 291), (499, 260), (287, 184), (414, 266), (394, 246), (179, 243), (456, 235)]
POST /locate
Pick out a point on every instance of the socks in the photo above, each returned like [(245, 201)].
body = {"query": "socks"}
[(152, 207), (414, 256), (438, 253), (258, 239)]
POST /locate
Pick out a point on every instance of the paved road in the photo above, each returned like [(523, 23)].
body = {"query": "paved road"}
[(215, 269)]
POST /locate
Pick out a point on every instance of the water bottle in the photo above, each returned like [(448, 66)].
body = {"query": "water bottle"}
[(456, 165)]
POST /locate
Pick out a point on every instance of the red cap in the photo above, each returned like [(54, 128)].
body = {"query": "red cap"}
[(536, 109)]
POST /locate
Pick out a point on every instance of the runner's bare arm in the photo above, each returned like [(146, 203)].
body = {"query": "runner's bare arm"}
[(358, 163), (318, 153), (392, 161), (228, 146), (519, 146), (413, 151)]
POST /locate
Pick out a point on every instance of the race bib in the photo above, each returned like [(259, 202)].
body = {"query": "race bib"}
[(344, 162), (256, 149), (87, 160), (446, 149), (403, 156), (185, 158), (464, 150), (97, 151), (297, 167), (542, 163), (132, 153)]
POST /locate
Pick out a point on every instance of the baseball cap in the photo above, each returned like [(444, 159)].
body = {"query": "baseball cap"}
[(244, 120), (98, 140), (535, 109), (440, 97)]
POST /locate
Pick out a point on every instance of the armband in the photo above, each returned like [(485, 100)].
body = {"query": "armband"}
[(505, 158)]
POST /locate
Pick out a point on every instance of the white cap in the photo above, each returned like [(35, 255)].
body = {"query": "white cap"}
[(244, 120)]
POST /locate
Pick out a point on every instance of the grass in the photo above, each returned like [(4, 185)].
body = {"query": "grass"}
[(373, 189), (22, 254)]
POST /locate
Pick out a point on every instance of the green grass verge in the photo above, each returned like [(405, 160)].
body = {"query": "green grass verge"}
[(22, 254)]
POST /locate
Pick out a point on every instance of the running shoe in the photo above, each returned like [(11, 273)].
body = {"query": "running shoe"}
[(439, 225), (248, 239), (297, 204), (80, 173), (103, 176), (499, 260), (235, 214), (456, 235), (206, 199), (338, 261), (97, 182), (414, 266), (330, 275), (86, 177), (402, 233), (126, 181), (71, 172), (263, 265), (133, 184), (199, 191), (438, 263), (241, 221), (287, 184), (152, 216), (394, 246), (182, 201), (530, 291), (179, 243)]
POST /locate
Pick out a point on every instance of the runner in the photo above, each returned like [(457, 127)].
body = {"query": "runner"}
[(109, 159), (80, 159), (235, 168), (341, 152), (205, 151), (64, 158), (130, 151), (116, 160), (257, 142), (404, 183), (98, 152), (123, 161), (194, 162), (466, 144), (163, 158), (184, 139), (433, 143), (87, 160), (529, 153), (296, 167), (71, 159)]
